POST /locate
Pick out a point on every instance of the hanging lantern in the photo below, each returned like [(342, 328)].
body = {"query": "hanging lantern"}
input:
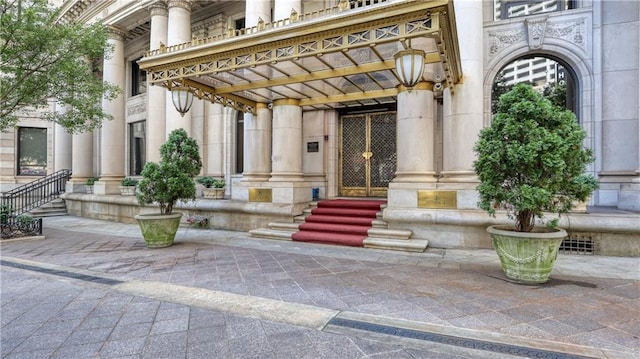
[(409, 66), (182, 99)]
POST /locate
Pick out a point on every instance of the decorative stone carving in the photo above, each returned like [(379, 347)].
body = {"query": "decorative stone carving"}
[(498, 40), (137, 108), (572, 31), (536, 29)]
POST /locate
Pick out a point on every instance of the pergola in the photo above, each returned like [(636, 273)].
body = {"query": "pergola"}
[(330, 59)]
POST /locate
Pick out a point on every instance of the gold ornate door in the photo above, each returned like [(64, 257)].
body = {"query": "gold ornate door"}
[(367, 154)]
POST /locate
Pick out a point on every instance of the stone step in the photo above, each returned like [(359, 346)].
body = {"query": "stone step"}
[(271, 233), (282, 226), (405, 245), (389, 233)]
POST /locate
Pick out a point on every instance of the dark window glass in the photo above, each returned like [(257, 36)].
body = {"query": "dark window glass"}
[(240, 142), (32, 151), (137, 145), (138, 79)]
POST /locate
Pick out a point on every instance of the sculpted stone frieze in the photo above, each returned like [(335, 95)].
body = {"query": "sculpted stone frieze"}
[(498, 40), (536, 32)]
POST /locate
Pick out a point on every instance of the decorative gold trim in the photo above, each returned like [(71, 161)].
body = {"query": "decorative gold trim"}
[(286, 102), (422, 85)]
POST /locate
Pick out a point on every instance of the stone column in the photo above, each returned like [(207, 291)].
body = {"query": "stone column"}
[(286, 147), (112, 133), (256, 10), (214, 145), (156, 95), (257, 144), (62, 144), (463, 110), (178, 32), (81, 161), (415, 135), (283, 8)]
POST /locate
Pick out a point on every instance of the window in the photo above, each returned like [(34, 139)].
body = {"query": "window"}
[(32, 151), (506, 9), (137, 146), (239, 142), (138, 79)]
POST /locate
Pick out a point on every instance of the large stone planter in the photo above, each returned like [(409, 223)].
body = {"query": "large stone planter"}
[(159, 230), (527, 257)]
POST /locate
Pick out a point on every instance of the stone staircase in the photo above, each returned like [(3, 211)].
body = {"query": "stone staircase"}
[(377, 236), (56, 207)]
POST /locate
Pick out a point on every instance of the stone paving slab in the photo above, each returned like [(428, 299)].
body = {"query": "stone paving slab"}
[(456, 289)]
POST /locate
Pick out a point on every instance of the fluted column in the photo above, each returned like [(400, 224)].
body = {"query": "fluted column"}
[(81, 161), (463, 118), (112, 133), (283, 8), (214, 145), (156, 95), (415, 135), (178, 32), (286, 156), (257, 144)]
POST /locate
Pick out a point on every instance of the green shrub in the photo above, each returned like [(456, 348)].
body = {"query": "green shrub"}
[(532, 159), (171, 179), (129, 182)]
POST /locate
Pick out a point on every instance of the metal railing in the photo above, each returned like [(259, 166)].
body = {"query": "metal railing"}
[(34, 194)]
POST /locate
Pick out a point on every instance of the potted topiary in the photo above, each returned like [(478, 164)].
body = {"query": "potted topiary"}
[(128, 186), (165, 183), (529, 161)]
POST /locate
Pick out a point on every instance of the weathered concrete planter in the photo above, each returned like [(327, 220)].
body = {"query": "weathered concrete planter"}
[(159, 230), (527, 257), (127, 190), (213, 193)]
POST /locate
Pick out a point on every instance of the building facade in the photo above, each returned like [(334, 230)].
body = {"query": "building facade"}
[(293, 96)]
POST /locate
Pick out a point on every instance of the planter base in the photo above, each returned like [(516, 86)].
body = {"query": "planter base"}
[(526, 257), (159, 230)]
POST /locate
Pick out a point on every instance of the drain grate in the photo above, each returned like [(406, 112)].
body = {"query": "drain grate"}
[(578, 243), (451, 340), (62, 273)]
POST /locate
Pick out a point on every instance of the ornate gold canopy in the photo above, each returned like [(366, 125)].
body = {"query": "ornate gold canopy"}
[(334, 58)]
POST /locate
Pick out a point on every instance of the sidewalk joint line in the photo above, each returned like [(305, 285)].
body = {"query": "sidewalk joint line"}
[(451, 340), (62, 273)]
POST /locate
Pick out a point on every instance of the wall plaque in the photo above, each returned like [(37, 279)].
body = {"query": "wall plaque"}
[(259, 194), (312, 147), (438, 199)]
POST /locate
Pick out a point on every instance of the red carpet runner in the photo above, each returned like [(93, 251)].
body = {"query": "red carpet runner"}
[(340, 221)]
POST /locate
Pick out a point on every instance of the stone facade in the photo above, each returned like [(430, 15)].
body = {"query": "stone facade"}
[(597, 42)]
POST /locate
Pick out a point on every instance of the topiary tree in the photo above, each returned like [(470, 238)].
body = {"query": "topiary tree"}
[(531, 159), (172, 179)]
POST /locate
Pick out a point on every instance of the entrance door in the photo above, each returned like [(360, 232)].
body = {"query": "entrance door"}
[(367, 154)]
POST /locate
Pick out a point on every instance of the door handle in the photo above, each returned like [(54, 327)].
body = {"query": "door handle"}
[(367, 155)]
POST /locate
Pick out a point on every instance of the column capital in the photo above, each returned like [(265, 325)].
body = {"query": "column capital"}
[(116, 33), (158, 8), (185, 4)]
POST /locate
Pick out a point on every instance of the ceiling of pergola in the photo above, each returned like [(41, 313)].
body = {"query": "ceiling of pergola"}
[(337, 59)]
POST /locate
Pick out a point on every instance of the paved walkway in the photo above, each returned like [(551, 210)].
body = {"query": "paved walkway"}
[(92, 289)]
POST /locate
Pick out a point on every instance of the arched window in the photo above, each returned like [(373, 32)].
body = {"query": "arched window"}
[(549, 75)]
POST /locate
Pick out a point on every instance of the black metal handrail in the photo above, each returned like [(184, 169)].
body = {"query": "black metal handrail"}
[(34, 194)]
